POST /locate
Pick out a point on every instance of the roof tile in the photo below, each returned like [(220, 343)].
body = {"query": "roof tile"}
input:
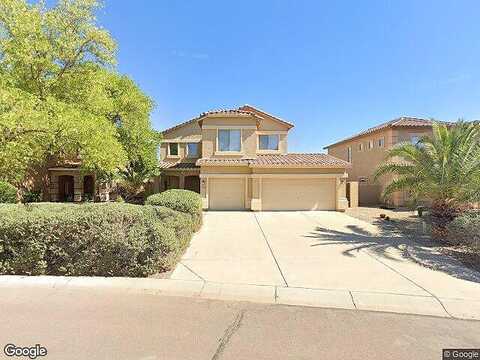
[(281, 160), (404, 121)]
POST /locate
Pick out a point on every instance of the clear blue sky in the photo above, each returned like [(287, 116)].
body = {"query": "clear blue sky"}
[(331, 67)]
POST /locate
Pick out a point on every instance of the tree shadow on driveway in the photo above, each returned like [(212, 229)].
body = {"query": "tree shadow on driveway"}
[(391, 241)]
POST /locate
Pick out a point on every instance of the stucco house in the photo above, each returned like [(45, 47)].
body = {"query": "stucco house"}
[(367, 149), (237, 159)]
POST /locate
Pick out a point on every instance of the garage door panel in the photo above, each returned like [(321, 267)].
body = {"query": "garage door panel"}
[(298, 194), (227, 194)]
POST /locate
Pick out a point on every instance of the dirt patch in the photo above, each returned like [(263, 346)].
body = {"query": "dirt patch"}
[(406, 222)]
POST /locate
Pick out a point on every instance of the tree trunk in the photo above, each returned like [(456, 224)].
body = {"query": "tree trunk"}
[(442, 213)]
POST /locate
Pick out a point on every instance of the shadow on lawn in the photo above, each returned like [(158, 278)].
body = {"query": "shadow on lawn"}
[(394, 237)]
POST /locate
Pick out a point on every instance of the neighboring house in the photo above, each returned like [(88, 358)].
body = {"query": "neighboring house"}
[(237, 159), (67, 183), (367, 149)]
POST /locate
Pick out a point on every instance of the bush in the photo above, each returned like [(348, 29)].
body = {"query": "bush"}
[(181, 200), (107, 239), (32, 196), (8, 193), (465, 229)]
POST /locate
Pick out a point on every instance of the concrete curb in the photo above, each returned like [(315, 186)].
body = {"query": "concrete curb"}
[(323, 298)]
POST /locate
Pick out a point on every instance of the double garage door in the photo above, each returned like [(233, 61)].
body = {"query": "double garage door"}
[(276, 194)]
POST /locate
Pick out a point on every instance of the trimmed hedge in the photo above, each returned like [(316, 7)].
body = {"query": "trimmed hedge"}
[(108, 239), (8, 193), (185, 201)]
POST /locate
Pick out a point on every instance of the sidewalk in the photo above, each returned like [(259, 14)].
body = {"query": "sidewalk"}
[(324, 298)]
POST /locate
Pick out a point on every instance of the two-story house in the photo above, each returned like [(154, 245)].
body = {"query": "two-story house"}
[(367, 149), (237, 160)]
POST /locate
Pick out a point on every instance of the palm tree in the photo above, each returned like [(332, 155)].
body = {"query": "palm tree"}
[(443, 169)]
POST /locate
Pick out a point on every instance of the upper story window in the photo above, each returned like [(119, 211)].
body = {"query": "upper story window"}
[(268, 142), (229, 140), (414, 139), (381, 142), (370, 144), (192, 150), (173, 149), (349, 154)]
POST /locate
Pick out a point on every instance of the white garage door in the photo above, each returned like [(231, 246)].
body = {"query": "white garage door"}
[(227, 194), (298, 194)]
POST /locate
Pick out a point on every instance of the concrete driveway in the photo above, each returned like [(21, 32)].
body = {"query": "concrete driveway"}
[(322, 251)]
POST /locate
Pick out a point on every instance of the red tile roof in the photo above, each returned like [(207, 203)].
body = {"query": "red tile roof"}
[(320, 160), (229, 111), (280, 160), (245, 110), (177, 165), (403, 121), (255, 110)]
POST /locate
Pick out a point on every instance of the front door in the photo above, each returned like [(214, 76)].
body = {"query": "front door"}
[(192, 183), (65, 188)]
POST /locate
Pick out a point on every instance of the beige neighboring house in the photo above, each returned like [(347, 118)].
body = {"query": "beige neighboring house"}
[(237, 160), (367, 149)]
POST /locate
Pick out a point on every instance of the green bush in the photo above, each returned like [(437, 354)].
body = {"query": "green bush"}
[(32, 196), (8, 193), (181, 200), (465, 229), (91, 239)]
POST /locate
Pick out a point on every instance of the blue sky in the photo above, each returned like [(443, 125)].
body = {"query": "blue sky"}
[(331, 67)]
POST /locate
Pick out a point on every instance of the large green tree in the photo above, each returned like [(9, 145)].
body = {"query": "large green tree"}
[(61, 97), (443, 168)]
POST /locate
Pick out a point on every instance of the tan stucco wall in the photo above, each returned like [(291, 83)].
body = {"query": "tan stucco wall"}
[(208, 136), (366, 161), (292, 170), (209, 144), (254, 176), (188, 133)]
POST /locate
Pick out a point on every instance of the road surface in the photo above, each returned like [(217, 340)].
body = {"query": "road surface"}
[(100, 324)]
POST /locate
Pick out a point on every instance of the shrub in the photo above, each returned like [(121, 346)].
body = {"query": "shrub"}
[(8, 193), (91, 239), (32, 196), (465, 229), (181, 200)]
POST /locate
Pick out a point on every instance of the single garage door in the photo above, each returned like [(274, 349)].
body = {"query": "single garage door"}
[(227, 194), (298, 194)]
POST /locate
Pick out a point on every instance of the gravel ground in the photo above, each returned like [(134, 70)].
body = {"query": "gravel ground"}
[(406, 222)]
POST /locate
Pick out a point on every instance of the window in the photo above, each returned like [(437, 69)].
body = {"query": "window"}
[(370, 144), (414, 139), (381, 142), (173, 149), (192, 150), (349, 154), (360, 147), (229, 140), (268, 142)]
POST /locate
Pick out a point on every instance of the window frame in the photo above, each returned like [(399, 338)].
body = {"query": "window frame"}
[(169, 150), (229, 151), (381, 142), (268, 150), (371, 144), (189, 155), (412, 136), (360, 146), (349, 154)]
